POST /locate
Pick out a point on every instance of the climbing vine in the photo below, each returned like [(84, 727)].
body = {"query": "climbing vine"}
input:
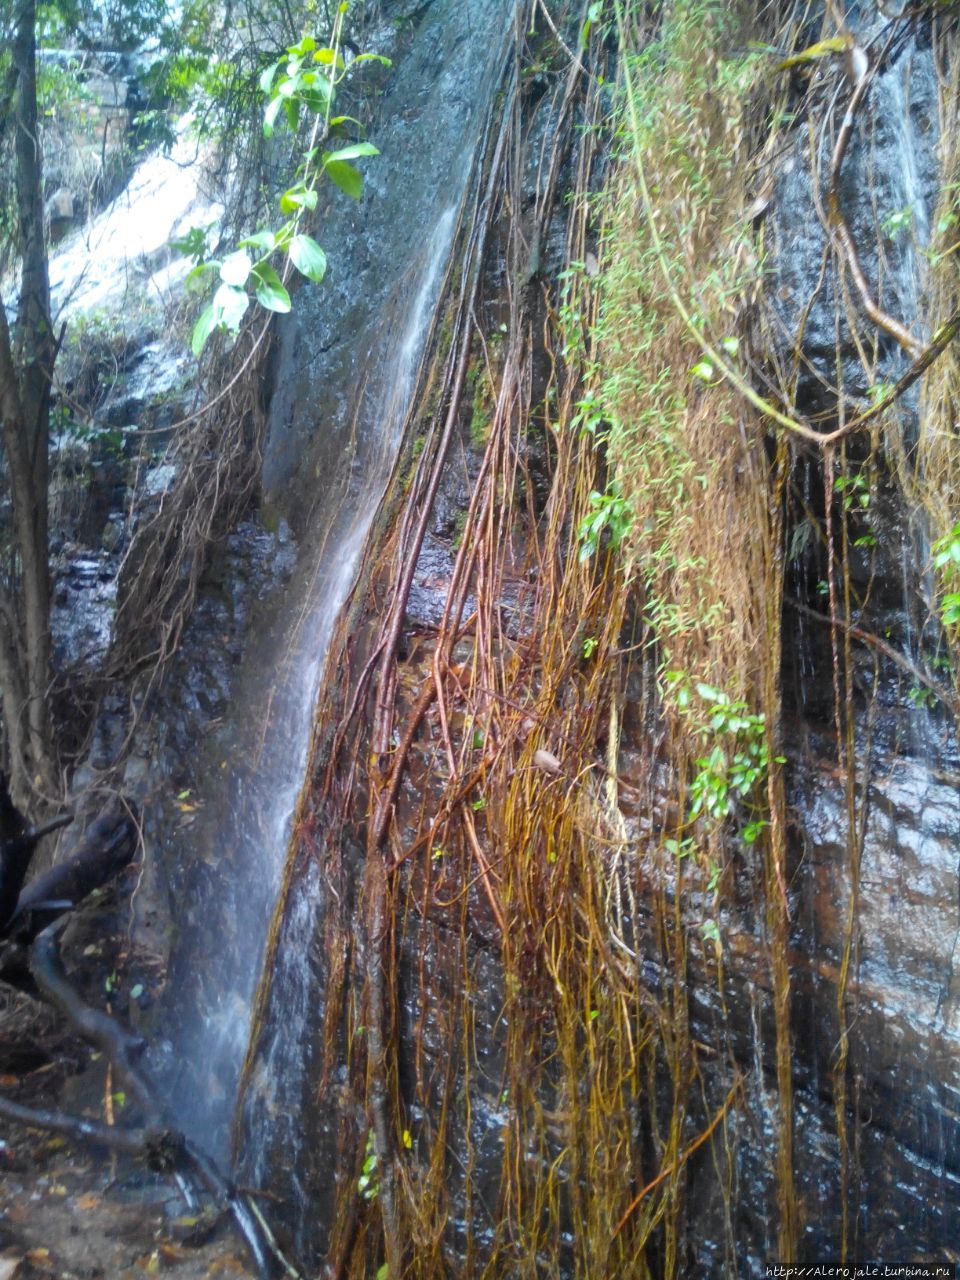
[(304, 80)]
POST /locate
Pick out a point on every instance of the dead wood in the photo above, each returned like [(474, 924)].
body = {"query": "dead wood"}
[(104, 850), (135, 1142), (160, 1141), (18, 843)]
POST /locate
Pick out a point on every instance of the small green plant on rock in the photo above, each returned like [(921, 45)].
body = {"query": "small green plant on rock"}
[(368, 1183), (609, 514), (737, 760)]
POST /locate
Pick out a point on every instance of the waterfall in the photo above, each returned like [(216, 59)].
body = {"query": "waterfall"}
[(347, 366)]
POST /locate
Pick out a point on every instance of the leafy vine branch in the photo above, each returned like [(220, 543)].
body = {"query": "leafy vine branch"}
[(304, 79)]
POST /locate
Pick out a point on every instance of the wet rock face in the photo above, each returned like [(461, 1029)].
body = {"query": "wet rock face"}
[(888, 189), (901, 858), (113, 385), (902, 1006)]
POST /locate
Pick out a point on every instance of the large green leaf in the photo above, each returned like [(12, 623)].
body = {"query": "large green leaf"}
[(372, 57), (269, 288), (202, 329), (354, 151), (235, 269), (230, 306), (270, 115), (346, 177), (307, 256), (298, 197), (327, 57), (265, 241), (318, 96), (196, 279)]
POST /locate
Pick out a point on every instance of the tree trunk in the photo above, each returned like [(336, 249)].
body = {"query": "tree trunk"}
[(26, 369)]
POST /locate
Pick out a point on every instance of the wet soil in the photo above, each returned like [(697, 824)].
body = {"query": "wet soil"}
[(81, 1213)]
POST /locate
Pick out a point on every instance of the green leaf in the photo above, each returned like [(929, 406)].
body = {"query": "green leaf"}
[(298, 197), (270, 115), (372, 57), (346, 177), (355, 151), (307, 256), (383, 1273), (196, 277), (319, 95), (202, 329), (193, 244), (285, 235), (229, 306), (267, 77), (235, 269), (137, 991), (269, 289), (709, 694), (292, 112), (264, 241), (703, 370)]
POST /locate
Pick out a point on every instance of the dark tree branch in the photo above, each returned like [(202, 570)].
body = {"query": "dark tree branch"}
[(18, 843), (132, 1142), (105, 848), (121, 1047)]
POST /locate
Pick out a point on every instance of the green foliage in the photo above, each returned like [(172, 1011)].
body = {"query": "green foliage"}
[(855, 493), (482, 404), (368, 1183), (895, 223), (301, 83), (609, 514), (655, 397), (594, 15), (854, 490), (946, 558), (919, 696), (735, 765), (115, 24)]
